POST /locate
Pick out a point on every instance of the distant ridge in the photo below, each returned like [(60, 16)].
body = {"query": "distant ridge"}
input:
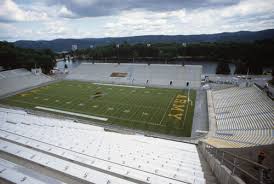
[(65, 44)]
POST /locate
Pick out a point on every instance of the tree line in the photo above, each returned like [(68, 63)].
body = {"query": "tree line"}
[(12, 57), (252, 56)]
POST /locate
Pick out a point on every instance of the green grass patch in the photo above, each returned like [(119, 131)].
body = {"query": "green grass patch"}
[(155, 109)]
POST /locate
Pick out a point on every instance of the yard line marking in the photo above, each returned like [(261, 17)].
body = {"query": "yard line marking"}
[(186, 114), (145, 114), (171, 100), (124, 104), (72, 113), (133, 114), (126, 111), (110, 109), (151, 117), (126, 86)]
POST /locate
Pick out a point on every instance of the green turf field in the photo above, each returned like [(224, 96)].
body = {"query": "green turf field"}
[(154, 109)]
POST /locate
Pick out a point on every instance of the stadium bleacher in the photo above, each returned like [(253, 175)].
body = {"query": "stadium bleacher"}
[(14, 173), (140, 74), (93, 155), (241, 116), (19, 79)]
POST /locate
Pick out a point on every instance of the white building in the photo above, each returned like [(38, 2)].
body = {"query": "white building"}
[(74, 47), (36, 71)]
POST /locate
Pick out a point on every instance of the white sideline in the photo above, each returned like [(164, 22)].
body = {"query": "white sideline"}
[(72, 113), (120, 85)]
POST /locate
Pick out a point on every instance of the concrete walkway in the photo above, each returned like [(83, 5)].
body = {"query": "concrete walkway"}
[(200, 118)]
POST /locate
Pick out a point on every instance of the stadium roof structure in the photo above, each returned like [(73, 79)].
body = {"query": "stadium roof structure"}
[(90, 154)]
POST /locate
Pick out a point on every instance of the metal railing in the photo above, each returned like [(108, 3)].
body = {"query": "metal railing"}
[(248, 170)]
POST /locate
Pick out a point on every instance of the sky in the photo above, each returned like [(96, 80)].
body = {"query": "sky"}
[(52, 19)]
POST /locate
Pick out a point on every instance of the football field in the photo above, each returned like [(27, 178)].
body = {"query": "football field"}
[(155, 109)]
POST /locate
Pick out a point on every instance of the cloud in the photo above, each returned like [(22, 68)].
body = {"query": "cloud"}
[(245, 15), (95, 8), (50, 19), (7, 31), (64, 12), (248, 8), (145, 22), (11, 12)]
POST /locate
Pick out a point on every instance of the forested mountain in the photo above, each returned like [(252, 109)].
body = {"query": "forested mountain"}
[(65, 44)]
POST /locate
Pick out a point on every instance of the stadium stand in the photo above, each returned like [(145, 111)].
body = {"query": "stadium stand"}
[(240, 117), (10, 172), (19, 79), (140, 74), (91, 154)]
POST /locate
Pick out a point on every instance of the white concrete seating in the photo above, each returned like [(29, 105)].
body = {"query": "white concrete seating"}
[(18, 174), (243, 115), (98, 153), (138, 74), (54, 163), (19, 79), (247, 122)]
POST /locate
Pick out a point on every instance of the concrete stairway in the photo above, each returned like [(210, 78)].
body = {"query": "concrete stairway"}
[(209, 176)]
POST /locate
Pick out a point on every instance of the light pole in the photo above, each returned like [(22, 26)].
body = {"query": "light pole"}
[(118, 46), (184, 52), (247, 76), (148, 45), (188, 93)]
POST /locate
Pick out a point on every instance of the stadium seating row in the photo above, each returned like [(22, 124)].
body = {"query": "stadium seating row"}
[(140, 74), (19, 79), (242, 115), (115, 158), (17, 174)]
